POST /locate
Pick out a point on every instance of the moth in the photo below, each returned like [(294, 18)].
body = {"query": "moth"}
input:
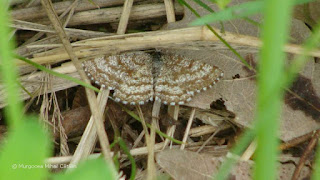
[(137, 78)]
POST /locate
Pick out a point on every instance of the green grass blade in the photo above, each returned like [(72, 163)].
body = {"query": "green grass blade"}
[(42, 68), (316, 171), (235, 12), (239, 11), (222, 4), (27, 146), (270, 92), (116, 162), (253, 22), (208, 8), (299, 62), (22, 157), (131, 159), (24, 89), (204, 5), (8, 71), (90, 169)]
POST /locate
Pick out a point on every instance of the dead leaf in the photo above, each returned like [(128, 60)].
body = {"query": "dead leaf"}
[(80, 98), (308, 13), (186, 164), (75, 121), (237, 90), (191, 165), (314, 10)]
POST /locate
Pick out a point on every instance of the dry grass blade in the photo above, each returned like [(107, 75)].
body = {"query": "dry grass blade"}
[(202, 130), (173, 111), (89, 137), (312, 144), (150, 146), (186, 133), (60, 7), (249, 151), (70, 9), (32, 82), (134, 152), (71, 12), (136, 41), (155, 116), (51, 102), (104, 142), (73, 33), (170, 11), (209, 139), (125, 17)]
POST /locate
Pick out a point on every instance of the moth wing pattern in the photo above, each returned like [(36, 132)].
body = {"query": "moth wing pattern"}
[(180, 78), (130, 76), (136, 80)]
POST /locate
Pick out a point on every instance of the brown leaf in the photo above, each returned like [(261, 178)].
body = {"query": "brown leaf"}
[(187, 165), (308, 13), (75, 121), (238, 88), (80, 98), (314, 11), (191, 165)]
